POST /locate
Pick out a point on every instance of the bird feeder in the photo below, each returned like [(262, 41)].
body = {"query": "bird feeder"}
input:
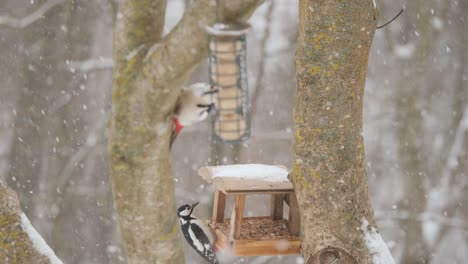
[(228, 75), (260, 235)]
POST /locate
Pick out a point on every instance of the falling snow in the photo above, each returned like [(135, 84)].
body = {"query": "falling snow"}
[(55, 109)]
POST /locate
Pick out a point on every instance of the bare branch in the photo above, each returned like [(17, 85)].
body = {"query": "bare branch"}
[(456, 151), (425, 217), (30, 19), (91, 65), (263, 56), (95, 138)]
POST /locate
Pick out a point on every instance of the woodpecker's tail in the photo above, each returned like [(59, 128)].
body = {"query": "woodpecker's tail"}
[(173, 137)]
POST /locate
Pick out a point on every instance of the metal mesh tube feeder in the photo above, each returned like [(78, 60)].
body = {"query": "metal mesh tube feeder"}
[(228, 74)]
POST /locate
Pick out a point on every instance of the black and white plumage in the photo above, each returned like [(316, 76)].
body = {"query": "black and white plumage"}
[(198, 235)]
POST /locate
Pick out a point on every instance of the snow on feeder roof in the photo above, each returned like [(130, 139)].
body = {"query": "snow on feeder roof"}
[(247, 178), (228, 75)]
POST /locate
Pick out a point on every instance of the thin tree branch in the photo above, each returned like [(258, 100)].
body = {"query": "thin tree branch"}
[(91, 65), (30, 19), (263, 56), (423, 217), (66, 173), (450, 211), (455, 152)]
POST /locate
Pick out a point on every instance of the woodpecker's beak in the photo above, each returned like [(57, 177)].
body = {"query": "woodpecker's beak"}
[(195, 204)]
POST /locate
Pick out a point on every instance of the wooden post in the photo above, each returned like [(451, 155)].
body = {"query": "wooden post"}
[(294, 217), (276, 208), (218, 207), (236, 218), (286, 199)]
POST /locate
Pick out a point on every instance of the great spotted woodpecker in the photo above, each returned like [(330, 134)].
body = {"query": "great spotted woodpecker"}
[(198, 235), (193, 106)]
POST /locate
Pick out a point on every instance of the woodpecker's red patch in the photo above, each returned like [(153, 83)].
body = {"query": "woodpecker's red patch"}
[(178, 126)]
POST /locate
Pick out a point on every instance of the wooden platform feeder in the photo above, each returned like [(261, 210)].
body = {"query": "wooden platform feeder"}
[(254, 236), (228, 75)]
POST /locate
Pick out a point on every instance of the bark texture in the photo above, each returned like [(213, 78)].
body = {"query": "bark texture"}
[(328, 169), (15, 245), (147, 80)]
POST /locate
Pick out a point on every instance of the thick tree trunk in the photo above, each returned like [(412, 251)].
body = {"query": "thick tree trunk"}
[(328, 169), (147, 81)]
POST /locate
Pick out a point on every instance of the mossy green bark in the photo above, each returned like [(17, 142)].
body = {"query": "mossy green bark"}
[(329, 168), (15, 245), (148, 74)]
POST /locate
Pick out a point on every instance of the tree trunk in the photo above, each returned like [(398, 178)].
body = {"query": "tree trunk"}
[(328, 173), (147, 81)]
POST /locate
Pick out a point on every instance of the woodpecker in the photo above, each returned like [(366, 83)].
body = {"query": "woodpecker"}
[(193, 106), (198, 235)]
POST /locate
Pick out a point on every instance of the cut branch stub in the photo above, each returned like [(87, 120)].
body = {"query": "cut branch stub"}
[(331, 255)]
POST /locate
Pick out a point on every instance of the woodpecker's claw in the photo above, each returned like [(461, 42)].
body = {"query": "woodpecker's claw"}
[(211, 91), (208, 107)]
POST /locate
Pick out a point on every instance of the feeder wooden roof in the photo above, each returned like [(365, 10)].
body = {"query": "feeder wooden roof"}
[(248, 178)]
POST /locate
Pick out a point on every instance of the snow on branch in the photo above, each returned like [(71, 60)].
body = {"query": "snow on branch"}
[(446, 187), (91, 64), (30, 19), (376, 245), (20, 240), (37, 240)]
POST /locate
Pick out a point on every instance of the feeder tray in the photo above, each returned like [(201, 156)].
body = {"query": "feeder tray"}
[(228, 75), (254, 236)]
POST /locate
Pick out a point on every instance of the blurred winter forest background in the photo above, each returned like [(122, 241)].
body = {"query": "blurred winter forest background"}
[(55, 102)]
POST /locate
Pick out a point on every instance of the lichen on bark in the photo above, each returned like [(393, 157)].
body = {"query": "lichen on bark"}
[(329, 169), (15, 244)]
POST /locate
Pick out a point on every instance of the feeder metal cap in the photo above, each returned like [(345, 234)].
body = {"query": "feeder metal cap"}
[(233, 29)]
